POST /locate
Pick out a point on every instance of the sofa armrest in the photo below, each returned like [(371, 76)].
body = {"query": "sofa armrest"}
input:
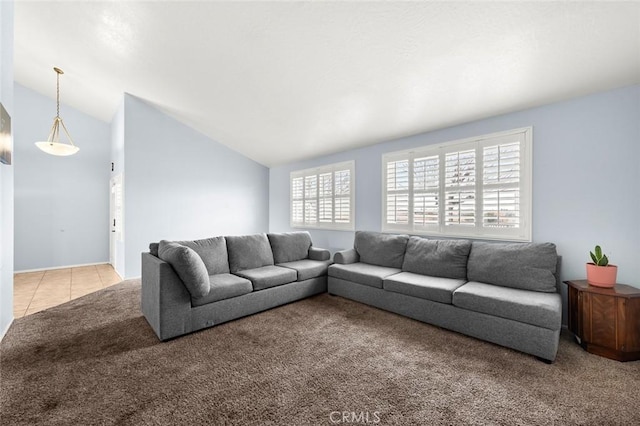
[(165, 301), (319, 254), (346, 256)]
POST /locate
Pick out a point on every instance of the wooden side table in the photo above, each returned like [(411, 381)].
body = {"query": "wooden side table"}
[(605, 321)]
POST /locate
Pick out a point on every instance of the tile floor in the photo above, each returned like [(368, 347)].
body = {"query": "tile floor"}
[(35, 291)]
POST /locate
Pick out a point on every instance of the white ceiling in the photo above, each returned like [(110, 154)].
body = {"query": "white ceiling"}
[(280, 82)]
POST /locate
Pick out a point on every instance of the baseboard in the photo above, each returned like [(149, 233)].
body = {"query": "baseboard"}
[(4, 332), (60, 267)]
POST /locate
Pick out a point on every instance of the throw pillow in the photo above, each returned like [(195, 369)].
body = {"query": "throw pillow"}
[(188, 265)]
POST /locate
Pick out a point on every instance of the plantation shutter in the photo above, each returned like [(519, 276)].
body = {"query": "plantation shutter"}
[(397, 185), (323, 197), (479, 188), (460, 187), (501, 185), (426, 179), (325, 208), (297, 200), (342, 200)]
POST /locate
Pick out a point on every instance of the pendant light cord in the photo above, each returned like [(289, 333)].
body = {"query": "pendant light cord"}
[(57, 94)]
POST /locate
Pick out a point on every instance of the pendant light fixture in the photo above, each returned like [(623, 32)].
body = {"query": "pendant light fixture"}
[(53, 145)]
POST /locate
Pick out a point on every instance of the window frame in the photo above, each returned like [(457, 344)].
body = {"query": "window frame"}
[(317, 172), (477, 231)]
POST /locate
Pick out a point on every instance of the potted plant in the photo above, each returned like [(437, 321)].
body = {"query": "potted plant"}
[(599, 272)]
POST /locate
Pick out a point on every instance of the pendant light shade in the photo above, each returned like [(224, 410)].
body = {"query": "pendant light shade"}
[(53, 145)]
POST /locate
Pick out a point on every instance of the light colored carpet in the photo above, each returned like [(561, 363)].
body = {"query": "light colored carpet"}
[(95, 360)]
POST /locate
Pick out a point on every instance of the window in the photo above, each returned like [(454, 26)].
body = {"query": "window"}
[(323, 197), (476, 188)]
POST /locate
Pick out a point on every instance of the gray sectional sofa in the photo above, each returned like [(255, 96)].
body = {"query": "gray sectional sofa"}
[(191, 285), (503, 293)]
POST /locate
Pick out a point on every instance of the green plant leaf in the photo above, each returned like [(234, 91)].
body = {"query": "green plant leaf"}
[(593, 257), (598, 252), (604, 261)]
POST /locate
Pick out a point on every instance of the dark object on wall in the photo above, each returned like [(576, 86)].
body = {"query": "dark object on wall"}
[(6, 143)]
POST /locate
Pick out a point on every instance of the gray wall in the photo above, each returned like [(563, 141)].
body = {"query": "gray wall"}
[(586, 178), (61, 203), (179, 184), (6, 172)]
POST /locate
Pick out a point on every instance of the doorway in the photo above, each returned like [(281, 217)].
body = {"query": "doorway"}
[(115, 220)]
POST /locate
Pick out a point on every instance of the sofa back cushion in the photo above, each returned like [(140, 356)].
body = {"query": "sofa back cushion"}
[(213, 252), (248, 252), (437, 258), (290, 246), (527, 266), (188, 265), (380, 249)]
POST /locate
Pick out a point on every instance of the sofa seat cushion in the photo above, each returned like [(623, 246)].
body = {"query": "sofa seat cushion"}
[(380, 249), (224, 286), (362, 273), (530, 307), (307, 268), (290, 246), (268, 276), (437, 289)]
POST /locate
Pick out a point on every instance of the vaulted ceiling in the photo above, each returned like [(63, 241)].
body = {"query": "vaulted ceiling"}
[(285, 81)]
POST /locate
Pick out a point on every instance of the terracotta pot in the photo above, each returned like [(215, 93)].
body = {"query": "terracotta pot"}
[(602, 276)]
